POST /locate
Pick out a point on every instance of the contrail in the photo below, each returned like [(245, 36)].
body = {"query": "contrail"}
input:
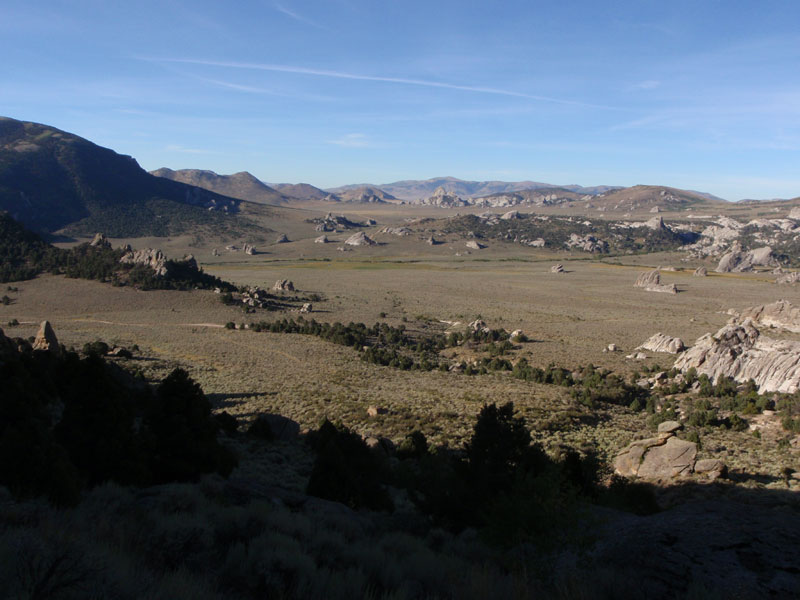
[(358, 77)]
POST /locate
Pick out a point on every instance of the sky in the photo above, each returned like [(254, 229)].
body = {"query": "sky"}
[(701, 95)]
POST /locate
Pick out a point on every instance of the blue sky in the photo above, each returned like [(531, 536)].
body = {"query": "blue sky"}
[(702, 95)]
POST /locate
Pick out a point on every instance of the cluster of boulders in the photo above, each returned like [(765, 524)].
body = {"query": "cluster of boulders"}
[(587, 243), (331, 222), (739, 261), (401, 231), (150, 257), (256, 297), (665, 457), (650, 281), (283, 285)]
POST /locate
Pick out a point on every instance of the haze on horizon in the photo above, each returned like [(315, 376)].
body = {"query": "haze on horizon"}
[(702, 96)]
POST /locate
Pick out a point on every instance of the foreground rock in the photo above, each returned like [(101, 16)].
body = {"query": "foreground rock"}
[(46, 339), (650, 281), (664, 457), (663, 343), (741, 352)]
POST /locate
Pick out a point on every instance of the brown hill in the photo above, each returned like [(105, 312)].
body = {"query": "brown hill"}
[(649, 197), (301, 191), (243, 185), (365, 193)]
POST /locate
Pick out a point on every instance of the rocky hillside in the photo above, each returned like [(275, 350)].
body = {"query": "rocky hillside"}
[(243, 185), (366, 194), (52, 180), (653, 198)]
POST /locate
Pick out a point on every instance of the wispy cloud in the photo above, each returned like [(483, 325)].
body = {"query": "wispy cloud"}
[(647, 84), (359, 77), (352, 140), (296, 16)]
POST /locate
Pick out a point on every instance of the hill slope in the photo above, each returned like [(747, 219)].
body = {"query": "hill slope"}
[(301, 191), (52, 180), (243, 185)]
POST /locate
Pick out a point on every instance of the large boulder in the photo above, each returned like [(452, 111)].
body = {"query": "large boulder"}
[(700, 272), (360, 239), (100, 241), (663, 343), (46, 339), (738, 261), (283, 285), (473, 245), (662, 457), (650, 281)]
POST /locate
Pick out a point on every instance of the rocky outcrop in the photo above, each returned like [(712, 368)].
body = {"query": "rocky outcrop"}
[(700, 272), (473, 245), (741, 352), (283, 285), (306, 308), (557, 268), (656, 224), (331, 222), (46, 339), (401, 231), (323, 239), (360, 239), (665, 457), (432, 241), (441, 197), (248, 249), (512, 214), (148, 257), (663, 343), (738, 261), (100, 241), (780, 314), (282, 239), (650, 281), (788, 278)]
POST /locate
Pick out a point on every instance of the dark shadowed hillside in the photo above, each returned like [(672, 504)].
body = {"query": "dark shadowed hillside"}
[(52, 180)]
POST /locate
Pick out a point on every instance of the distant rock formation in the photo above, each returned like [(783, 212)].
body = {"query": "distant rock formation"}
[(331, 222), (432, 241), (402, 231), (700, 272), (738, 261), (512, 214), (46, 339), (282, 239), (650, 281), (283, 285), (473, 245), (100, 241), (360, 239), (740, 351), (323, 239), (441, 197), (557, 268), (656, 224), (587, 243), (780, 314), (248, 249), (663, 343), (149, 257)]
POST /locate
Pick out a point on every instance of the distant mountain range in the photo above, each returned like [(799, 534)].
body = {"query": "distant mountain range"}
[(51, 180), (421, 189)]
